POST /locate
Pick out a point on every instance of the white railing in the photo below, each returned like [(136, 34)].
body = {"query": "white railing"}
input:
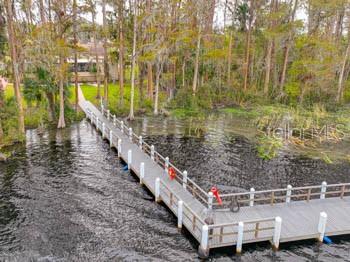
[(249, 198), (209, 233), (287, 195), (180, 176)]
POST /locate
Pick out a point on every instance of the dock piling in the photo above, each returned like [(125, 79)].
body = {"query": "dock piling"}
[(103, 129), (152, 152), (210, 200), (140, 142), (203, 249), (119, 147), (323, 190), (142, 172), (179, 213), (184, 179), (322, 226), (110, 138), (289, 193), (239, 237), (157, 189), (277, 233), (251, 197), (166, 165), (130, 134), (129, 158)]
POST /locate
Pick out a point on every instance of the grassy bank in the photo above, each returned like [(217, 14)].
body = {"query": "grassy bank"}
[(35, 115), (145, 106)]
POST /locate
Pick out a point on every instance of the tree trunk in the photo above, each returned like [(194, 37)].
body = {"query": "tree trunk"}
[(98, 71), (15, 65), (150, 80), (2, 104), (286, 54), (42, 11), (268, 60), (247, 51), (75, 53), (159, 71), (121, 52), (105, 54), (341, 76), (229, 58), (149, 64), (268, 67), (61, 121), (51, 106), (196, 64), (141, 80), (183, 73), (131, 114)]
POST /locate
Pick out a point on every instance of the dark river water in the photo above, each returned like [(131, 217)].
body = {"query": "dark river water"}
[(64, 196)]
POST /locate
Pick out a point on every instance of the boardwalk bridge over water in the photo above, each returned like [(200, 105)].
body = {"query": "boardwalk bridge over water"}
[(278, 215)]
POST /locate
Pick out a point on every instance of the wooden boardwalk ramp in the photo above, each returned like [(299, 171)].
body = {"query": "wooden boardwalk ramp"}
[(279, 215)]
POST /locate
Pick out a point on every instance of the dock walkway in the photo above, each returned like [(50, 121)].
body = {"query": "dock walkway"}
[(279, 215)]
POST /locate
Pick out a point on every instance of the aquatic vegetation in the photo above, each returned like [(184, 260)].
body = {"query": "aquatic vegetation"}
[(268, 147)]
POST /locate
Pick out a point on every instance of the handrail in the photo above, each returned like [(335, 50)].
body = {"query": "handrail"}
[(247, 198), (273, 196), (253, 221), (197, 191)]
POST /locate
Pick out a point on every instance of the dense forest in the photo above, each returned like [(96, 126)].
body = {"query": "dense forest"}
[(191, 54)]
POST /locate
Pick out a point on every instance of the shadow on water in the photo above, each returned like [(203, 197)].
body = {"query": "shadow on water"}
[(65, 197)]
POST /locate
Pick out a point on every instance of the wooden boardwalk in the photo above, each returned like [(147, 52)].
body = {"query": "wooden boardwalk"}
[(280, 215)]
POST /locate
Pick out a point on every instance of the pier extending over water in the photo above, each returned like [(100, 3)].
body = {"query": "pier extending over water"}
[(279, 215)]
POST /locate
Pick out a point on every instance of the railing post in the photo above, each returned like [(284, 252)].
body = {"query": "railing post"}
[(110, 138), (184, 179), (204, 247), (114, 120), (108, 114), (119, 147), (103, 130), (277, 233), (210, 200), (179, 213), (322, 226), (157, 189), (142, 172), (97, 122), (251, 197), (130, 134), (166, 165), (289, 193), (239, 237), (129, 158), (152, 152), (122, 126), (102, 108), (101, 102), (323, 190), (140, 142)]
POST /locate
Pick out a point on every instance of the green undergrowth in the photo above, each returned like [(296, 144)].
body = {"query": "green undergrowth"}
[(145, 107)]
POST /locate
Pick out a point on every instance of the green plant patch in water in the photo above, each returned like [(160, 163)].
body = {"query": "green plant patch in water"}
[(268, 147)]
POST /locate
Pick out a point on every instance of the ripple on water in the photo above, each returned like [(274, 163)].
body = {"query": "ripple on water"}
[(64, 197)]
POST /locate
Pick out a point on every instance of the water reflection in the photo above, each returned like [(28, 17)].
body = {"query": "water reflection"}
[(64, 196)]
